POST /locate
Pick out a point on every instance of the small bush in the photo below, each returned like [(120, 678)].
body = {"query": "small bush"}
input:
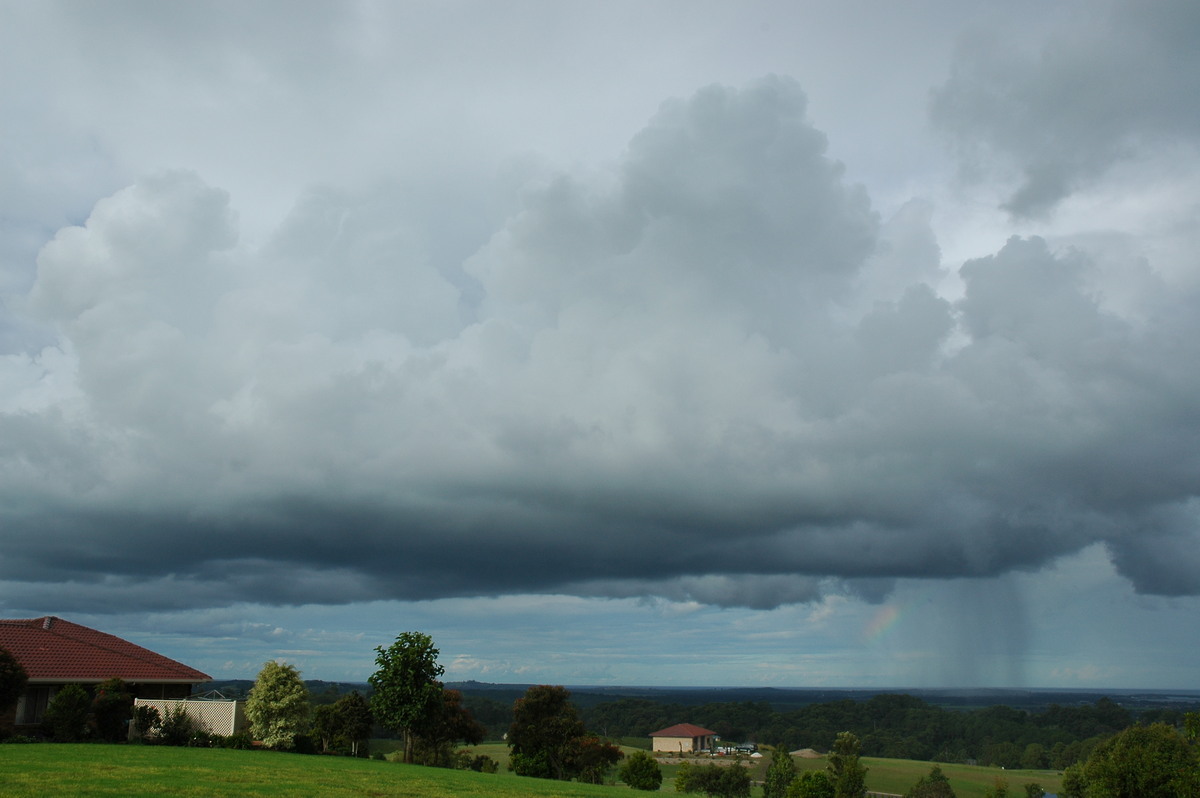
[(177, 727), (146, 721), (240, 741), (66, 716)]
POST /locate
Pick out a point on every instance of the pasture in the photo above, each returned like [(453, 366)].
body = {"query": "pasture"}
[(33, 771)]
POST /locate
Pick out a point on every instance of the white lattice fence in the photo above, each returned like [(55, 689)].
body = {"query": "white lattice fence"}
[(217, 717)]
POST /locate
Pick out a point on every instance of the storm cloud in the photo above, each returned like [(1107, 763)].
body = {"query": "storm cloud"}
[(710, 371)]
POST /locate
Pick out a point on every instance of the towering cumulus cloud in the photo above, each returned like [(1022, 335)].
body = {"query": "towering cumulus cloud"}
[(710, 372)]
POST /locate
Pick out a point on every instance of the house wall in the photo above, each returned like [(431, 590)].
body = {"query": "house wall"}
[(678, 744), (31, 706)]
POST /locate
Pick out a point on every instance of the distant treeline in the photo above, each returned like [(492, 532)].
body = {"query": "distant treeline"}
[(889, 725), (894, 726)]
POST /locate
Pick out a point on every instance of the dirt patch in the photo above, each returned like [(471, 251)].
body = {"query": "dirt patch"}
[(806, 753)]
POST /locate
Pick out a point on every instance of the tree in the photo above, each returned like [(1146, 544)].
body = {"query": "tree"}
[(447, 724), (344, 724), (811, 784), (935, 785), (999, 789), (112, 707), (716, 781), (548, 740), (1034, 790), (1141, 762), (641, 772), (66, 716), (355, 720), (407, 691), (13, 679), (278, 706), (780, 774), (845, 771)]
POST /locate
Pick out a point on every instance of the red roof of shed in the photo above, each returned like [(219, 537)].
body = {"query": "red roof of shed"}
[(682, 730), (53, 650)]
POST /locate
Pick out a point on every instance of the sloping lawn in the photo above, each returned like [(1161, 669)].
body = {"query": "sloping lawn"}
[(44, 769)]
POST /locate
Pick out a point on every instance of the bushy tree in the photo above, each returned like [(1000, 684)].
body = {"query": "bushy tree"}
[(544, 733), (407, 691), (13, 679), (1142, 761), (845, 771), (278, 706), (1034, 790), (594, 759), (716, 781), (811, 784), (112, 706), (641, 771), (447, 724), (67, 714), (344, 724), (780, 774), (935, 785)]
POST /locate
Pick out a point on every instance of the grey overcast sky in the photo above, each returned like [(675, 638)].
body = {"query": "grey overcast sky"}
[(796, 343)]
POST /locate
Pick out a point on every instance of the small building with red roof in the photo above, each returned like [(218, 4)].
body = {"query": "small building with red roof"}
[(683, 738), (55, 653)]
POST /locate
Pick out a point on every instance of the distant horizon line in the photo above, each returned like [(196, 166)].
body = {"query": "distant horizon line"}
[(1188, 691)]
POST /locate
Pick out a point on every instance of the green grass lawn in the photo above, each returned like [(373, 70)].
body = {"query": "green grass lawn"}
[(132, 770), (46, 769)]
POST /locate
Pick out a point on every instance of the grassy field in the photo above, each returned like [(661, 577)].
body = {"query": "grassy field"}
[(130, 770), (35, 771)]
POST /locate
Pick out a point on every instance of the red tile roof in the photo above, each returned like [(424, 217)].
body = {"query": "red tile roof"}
[(682, 730), (53, 650)]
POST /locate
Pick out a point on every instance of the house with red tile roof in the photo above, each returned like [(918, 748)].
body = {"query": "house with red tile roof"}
[(56, 653), (683, 738)]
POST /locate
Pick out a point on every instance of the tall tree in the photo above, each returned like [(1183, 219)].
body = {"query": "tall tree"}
[(278, 706), (355, 720), (407, 691), (845, 771), (780, 774)]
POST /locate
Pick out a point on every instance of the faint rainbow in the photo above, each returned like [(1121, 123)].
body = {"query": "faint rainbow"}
[(881, 622)]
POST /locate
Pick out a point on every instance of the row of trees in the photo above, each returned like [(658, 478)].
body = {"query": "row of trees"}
[(893, 726)]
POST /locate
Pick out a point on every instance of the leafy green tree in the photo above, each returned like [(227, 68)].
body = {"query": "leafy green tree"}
[(845, 771), (544, 733), (325, 726), (935, 785), (1035, 757), (67, 714), (355, 721), (446, 725), (780, 774), (811, 784), (278, 707), (548, 740), (1142, 762), (1034, 790), (112, 707), (1074, 784), (716, 781), (594, 759), (407, 691), (13, 679), (999, 789), (641, 772)]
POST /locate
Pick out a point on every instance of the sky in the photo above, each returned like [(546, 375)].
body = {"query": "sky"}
[(832, 343)]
